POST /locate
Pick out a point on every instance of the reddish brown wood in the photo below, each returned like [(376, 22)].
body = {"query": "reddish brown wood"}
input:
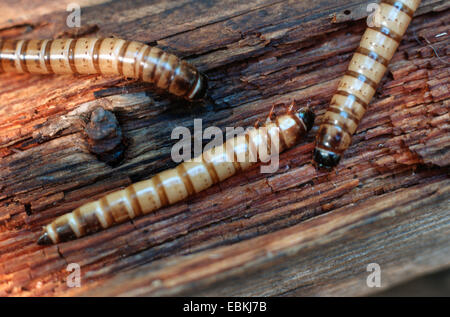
[(386, 202)]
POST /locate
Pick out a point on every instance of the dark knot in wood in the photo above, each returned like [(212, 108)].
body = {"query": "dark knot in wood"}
[(105, 137)]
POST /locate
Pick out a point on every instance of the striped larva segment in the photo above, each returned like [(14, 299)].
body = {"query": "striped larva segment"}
[(188, 178), (107, 56), (359, 83)]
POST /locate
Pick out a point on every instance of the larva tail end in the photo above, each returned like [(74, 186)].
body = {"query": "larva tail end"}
[(201, 92), (307, 117), (326, 159), (44, 239)]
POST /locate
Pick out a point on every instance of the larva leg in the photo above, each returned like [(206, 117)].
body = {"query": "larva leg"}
[(358, 85), (188, 178), (108, 56)]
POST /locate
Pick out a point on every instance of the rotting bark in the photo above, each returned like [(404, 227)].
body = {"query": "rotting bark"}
[(392, 180)]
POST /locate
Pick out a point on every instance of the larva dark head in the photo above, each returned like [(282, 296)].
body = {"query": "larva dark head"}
[(307, 116), (326, 159), (200, 92), (44, 239)]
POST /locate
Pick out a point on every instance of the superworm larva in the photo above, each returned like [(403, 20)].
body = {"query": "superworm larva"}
[(107, 56), (188, 178), (357, 87)]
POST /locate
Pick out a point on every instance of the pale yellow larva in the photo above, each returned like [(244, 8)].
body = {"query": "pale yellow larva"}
[(188, 178), (108, 56), (359, 83)]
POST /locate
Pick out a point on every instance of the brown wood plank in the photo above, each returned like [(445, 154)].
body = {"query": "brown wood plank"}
[(392, 180), (326, 255)]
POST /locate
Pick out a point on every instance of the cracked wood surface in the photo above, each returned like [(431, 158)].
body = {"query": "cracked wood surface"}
[(296, 232)]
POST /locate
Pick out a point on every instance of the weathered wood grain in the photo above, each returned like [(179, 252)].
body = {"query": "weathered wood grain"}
[(326, 255), (387, 201)]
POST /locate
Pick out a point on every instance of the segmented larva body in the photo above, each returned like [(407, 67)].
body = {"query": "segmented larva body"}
[(108, 56), (188, 178), (357, 87)]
